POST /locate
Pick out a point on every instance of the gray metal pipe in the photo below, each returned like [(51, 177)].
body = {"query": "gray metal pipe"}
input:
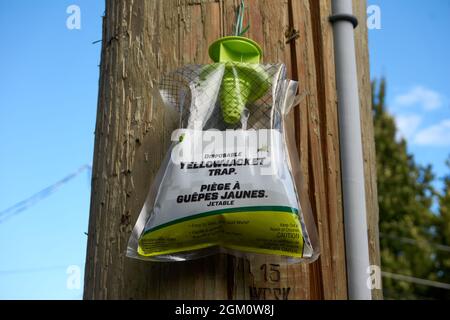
[(355, 221)]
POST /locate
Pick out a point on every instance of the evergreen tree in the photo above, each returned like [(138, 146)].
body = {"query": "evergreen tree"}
[(442, 237), (405, 197)]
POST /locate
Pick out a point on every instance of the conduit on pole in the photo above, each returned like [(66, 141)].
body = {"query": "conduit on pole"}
[(355, 221)]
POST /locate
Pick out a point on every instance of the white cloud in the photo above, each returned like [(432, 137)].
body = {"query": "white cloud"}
[(407, 125), (419, 95), (436, 135)]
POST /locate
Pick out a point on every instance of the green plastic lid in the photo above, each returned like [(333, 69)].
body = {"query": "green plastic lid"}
[(236, 49)]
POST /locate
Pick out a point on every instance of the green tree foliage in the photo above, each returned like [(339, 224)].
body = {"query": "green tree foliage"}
[(442, 240), (405, 196)]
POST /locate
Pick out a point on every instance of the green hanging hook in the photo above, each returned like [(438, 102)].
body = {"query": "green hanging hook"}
[(244, 80), (240, 20)]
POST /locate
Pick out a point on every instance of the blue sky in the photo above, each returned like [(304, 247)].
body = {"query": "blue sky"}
[(48, 102), (411, 51)]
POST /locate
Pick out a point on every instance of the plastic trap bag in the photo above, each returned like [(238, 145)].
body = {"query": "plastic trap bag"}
[(231, 180)]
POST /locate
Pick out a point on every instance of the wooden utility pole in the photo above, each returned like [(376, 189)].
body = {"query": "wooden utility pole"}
[(142, 40)]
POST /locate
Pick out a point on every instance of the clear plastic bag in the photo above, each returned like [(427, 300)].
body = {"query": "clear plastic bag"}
[(231, 180)]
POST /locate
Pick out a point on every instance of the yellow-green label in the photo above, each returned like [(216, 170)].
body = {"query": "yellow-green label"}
[(265, 230)]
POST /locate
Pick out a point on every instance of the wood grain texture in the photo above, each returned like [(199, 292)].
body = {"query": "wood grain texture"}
[(370, 170), (142, 40)]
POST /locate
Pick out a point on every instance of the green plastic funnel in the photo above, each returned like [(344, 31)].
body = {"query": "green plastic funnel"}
[(235, 49), (244, 81)]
